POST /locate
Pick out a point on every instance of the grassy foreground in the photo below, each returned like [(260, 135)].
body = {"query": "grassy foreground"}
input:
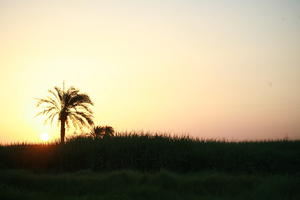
[(152, 153), (124, 184), (136, 166)]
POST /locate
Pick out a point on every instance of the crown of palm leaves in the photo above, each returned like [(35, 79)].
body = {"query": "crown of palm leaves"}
[(68, 105)]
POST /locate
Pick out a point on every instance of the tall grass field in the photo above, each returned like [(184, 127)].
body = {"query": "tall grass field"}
[(143, 166)]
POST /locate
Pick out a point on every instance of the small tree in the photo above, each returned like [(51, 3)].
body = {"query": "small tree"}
[(102, 131), (108, 131), (97, 131)]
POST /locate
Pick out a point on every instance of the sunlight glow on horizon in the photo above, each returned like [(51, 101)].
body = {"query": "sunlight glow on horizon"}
[(45, 137), (213, 70)]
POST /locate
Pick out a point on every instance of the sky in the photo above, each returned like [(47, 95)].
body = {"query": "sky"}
[(223, 69)]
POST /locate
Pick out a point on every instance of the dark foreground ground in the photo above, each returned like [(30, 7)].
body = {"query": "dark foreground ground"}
[(151, 153), (86, 185), (137, 166)]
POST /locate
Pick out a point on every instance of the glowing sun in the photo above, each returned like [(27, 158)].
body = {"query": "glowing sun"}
[(44, 137)]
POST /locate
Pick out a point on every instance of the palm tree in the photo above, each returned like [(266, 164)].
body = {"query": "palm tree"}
[(67, 106), (97, 131), (102, 131), (108, 131)]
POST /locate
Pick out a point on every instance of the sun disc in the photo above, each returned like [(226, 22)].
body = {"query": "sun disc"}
[(44, 137)]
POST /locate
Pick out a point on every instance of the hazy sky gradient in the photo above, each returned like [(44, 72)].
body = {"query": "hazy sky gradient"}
[(212, 69)]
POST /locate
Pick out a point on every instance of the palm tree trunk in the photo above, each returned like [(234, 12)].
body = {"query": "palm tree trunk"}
[(62, 131)]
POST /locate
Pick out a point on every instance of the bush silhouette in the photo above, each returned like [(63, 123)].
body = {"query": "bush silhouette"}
[(102, 131)]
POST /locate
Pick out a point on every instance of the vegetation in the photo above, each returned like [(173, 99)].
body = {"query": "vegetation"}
[(151, 153), (143, 166), (67, 106), (102, 131), (125, 184)]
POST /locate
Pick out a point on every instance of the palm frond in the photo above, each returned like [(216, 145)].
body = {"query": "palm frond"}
[(50, 117), (54, 94), (88, 117), (47, 110), (80, 120), (74, 121), (68, 123), (85, 108), (59, 93), (80, 99)]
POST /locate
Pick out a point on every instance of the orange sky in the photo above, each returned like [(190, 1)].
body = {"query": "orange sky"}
[(212, 70)]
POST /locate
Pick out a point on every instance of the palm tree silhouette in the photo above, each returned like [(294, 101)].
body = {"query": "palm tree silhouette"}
[(67, 106), (102, 131), (97, 131)]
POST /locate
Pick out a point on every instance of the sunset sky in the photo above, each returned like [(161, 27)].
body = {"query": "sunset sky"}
[(210, 69)]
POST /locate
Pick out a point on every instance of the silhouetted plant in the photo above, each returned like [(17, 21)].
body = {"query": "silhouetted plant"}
[(97, 131), (108, 131), (67, 106), (102, 131)]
